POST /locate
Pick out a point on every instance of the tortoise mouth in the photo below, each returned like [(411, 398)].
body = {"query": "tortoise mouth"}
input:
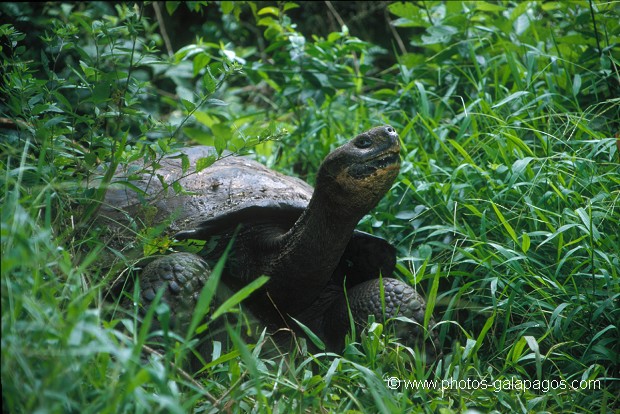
[(383, 162)]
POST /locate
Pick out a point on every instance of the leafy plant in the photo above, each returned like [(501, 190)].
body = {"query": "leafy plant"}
[(505, 213)]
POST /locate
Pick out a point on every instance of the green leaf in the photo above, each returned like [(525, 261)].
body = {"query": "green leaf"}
[(216, 102), (505, 223), (486, 6), (202, 163), (209, 81), (424, 104), (576, 84), (439, 34), (432, 295), (311, 335), (222, 359), (239, 296), (520, 165), (405, 215), (517, 169), (533, 344), (525, 242), (189, 106), (148, 318), (250, 362), (586, 219), (200, 61), (488, 324), (165, 147), (411, 14), (267, 21), (462, 151), (552, 5), (470, 345), (101, 92), (88, 71), (269, 10), (220, 144), (184, 163), (186, 51), (42, 108), (208, 291), (227, 6), (289, 6), (221, 136), (177, 187), (510, 98), (205, 118), (171, 6)]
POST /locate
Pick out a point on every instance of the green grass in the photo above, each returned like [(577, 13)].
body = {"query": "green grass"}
[(505, 214)]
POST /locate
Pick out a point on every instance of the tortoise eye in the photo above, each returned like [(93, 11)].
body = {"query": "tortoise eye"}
[(362, 142)]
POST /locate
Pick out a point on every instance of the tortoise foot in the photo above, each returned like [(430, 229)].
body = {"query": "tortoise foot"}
[(182, 276), (400, 300)]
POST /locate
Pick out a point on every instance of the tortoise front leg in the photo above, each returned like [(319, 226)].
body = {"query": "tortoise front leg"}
[(182, 276), (364, 299)]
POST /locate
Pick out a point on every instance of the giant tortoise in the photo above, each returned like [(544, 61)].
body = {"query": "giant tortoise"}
[(319, 266)]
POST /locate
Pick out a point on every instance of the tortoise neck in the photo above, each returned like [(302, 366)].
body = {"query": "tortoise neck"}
[(313, 247)]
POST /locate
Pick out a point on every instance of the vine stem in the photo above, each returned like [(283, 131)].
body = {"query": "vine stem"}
[(96, 202), (598, 43), (162, 28)]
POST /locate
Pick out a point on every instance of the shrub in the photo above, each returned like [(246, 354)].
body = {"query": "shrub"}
[(505, 212)]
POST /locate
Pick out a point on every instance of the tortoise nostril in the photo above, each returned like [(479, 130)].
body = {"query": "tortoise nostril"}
[(392, 135)]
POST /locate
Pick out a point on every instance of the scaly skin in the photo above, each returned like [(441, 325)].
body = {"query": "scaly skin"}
[(364, 299), (301, 239), (182, 275)]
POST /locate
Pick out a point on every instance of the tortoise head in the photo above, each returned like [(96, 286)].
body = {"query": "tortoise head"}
[(357, 175)]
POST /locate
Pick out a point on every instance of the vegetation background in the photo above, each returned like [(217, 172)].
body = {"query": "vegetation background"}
[(505, 214)]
